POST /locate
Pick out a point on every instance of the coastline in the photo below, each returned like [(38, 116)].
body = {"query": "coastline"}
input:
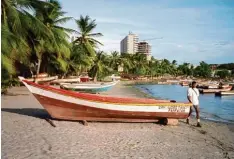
[(147, 94), (25, 134)]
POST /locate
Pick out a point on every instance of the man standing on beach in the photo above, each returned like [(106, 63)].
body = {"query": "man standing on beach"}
[(193, 95)]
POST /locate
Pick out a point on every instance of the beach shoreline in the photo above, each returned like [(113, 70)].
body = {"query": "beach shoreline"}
[(25, 134)]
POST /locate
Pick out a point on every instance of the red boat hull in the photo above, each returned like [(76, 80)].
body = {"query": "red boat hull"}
[(69, 105), (69, 111)]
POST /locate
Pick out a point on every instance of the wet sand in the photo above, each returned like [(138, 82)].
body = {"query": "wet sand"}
[(25, 134)]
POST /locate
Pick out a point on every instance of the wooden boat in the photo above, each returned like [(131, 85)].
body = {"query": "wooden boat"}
[(89, 87), (184, 83), (85, 78), (163, 83), (232, 84), (172, 81), (69, 105), (215, 90), (225, 93), (208, 86), (114, 77), (224, 86), (213, 86), (41, 75), (43, 79), (66, 80)]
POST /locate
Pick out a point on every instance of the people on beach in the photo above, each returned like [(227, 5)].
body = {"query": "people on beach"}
[(192, 95)]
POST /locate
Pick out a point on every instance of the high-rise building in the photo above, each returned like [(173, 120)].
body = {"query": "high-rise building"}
[(129, 44), (145, 48)]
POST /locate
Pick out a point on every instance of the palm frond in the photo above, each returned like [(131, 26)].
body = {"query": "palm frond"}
[(62, 20), (66, 29), (93, 41), (95, 35), (90, 49), (8, 64)]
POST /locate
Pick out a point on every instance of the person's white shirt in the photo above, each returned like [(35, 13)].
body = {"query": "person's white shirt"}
[(194, 94)]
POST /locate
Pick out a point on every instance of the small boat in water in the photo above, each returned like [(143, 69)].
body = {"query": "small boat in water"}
[(66, 80), (213, 86), (224, 86), (231, 93), (184, 83), (69, 105), (209, 86), (215, 90), (88, 87)]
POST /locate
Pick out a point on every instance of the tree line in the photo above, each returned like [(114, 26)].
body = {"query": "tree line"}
[(35, 41)]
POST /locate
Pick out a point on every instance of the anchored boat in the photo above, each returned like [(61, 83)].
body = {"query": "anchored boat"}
[(66, 80), (69, 105), (231, 93), (88, 87), (215, 90), (43, 79)]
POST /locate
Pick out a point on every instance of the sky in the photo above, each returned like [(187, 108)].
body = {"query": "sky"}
[(184, 30)]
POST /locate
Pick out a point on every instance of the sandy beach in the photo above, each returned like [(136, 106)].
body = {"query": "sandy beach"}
[(26, 134)]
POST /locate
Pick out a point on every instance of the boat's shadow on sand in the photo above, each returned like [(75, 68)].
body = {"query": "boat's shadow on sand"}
[(32, 112)]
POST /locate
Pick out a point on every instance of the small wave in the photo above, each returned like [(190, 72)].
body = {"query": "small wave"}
[(146, 90), (215, 117)]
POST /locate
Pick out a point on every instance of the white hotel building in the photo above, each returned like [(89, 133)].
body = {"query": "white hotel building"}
[(129, 44)]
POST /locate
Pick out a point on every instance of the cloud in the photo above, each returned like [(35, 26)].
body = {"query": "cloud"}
[(179, 46), (118, 21), (222, 43)]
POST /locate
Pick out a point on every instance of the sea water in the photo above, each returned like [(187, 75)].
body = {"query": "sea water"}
[(211, 107)]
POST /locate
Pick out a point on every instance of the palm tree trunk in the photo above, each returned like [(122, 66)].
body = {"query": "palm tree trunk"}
[(65, 73), (31, 71), (63, 76), (39, 66), (4, 16), (95, 78), (38, 70)]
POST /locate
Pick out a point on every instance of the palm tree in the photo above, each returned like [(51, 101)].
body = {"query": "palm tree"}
[(16, 22), (174, 67), (184, 69), (57, 44), (115, 61), (128, 62), (203, 70), (79, 60), (100, 67), (141, 64), (165, 67), (86, 35)]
